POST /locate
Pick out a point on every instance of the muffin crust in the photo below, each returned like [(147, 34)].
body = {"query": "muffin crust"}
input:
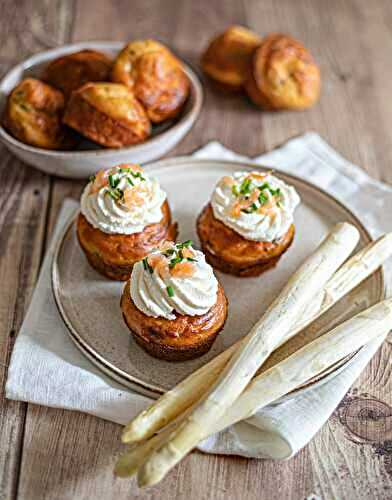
[(113, 255), (230, 253), (183, 338), (283, 75)]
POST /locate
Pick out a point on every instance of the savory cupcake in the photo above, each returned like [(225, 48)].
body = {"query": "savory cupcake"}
[(173, 303), (156, 77), (124, 214), (283, 75), (228, 57), (248, 224)]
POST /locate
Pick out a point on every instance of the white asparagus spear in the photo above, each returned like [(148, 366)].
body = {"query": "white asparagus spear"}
[(190, 390), (307, 362), (263, 338)]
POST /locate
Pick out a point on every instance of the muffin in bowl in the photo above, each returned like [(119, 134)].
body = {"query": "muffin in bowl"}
[(107, 113), (124, 214), (283, 75), (248, 224), (228, 56), (155, 76), (70, 72), (33, 115), (173, 303)]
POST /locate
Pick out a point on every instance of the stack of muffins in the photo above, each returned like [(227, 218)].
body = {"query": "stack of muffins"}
[(112, 103)]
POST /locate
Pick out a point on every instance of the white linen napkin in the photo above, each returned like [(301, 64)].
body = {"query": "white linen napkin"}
[(47, 369)]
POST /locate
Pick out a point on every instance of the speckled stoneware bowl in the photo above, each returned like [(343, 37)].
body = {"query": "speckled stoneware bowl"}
[(82, 163), (90, 304)]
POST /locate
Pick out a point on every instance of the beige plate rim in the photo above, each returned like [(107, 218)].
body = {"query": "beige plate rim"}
[(151, 390)]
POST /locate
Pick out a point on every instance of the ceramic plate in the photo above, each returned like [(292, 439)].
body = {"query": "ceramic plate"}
[(89, 303)]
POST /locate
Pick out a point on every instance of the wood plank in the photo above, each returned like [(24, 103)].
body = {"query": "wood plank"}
[(24, 201), (24, 198), (69, 455)]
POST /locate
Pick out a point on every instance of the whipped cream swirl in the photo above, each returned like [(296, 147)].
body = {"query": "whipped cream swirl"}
[(122, 200), (158, 290), (258, 206)]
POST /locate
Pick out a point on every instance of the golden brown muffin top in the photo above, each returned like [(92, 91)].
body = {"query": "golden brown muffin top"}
[(155, 75), (33, 114), (285, 72), (70, 72), (227, 57), (113, 99), (138, 55)]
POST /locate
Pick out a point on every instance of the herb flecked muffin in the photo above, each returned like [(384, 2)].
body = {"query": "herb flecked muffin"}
[(173, 303), (124, 214), (248, 224), (33, 115)]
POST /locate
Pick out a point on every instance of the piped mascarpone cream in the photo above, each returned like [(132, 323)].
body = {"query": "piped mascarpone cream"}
[(258, 206), (122, 200), (173, 279)]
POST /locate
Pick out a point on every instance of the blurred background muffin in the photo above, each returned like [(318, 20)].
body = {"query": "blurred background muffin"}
[(156, 77), (33, 115), (283, 74), (109, 114), (227, 57), (70, 72)]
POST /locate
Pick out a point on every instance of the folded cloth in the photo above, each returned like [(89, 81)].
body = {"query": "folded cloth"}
[(47, 369)]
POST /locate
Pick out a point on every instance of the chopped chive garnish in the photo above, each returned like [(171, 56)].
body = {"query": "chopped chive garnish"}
[(234, 190), (174, 261), (186, 244), (130, 181), (246, 186), (251, 209), (170, 291), (262, 198), (137, 175), (147, 266), (91, 178), (113, 181), (116, 194), (191, 259)]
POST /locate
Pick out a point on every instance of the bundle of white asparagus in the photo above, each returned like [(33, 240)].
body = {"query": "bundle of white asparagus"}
[(223, 392)]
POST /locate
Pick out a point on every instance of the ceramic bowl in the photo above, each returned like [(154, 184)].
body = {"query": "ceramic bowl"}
[(84, 162)]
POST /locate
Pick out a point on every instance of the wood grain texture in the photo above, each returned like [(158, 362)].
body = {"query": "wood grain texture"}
[(24, 198), (47, 453)]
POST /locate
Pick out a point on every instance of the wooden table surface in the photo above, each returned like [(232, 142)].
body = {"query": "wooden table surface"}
[(53, 454)]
